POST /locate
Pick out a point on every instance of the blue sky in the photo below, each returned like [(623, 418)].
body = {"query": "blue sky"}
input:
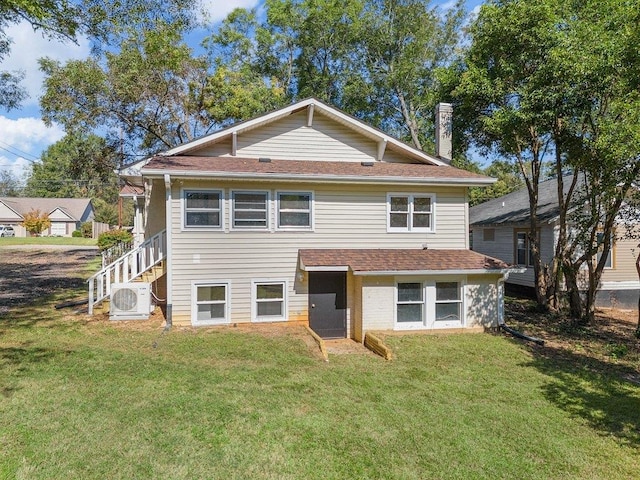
[(23, 134)]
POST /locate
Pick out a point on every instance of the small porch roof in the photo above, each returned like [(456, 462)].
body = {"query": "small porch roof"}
[(401, 261)]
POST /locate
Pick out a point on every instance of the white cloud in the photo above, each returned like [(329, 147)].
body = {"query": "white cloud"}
[(214, 11), (27, 133), (22, 142), (28, 46)]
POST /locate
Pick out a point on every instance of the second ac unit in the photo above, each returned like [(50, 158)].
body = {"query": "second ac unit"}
[(130, 301)]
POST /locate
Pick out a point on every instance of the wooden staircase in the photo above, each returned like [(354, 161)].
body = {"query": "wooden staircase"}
[(145, 263)]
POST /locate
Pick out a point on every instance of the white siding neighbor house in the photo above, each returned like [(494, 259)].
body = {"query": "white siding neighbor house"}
[(500, 227), (308, 215)]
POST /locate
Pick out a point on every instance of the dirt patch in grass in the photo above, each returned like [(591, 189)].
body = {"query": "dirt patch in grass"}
[(27, 275), (606, 346)]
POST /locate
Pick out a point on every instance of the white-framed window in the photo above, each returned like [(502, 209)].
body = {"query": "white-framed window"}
[(295, 210), (250, 210), (210, 303), (523, 248), (429, 303), (410, 212), (202, 208), (410, 304), (269, 300), (448, 302), (600, 240)]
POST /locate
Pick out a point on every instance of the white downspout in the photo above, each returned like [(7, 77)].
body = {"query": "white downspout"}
[(169, 313)]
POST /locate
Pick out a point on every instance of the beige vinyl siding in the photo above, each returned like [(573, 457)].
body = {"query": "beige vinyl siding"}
[(625, 252), (291, 139), (154, 211), (345, 217), (59, 215), (481, 301)]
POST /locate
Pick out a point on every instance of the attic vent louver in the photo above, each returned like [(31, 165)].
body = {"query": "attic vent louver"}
[(264, 160), (366, 164)]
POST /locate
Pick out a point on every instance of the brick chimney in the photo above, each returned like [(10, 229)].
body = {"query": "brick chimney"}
[(444, 128)]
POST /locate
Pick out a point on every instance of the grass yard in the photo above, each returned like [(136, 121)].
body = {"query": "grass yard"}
[(16, 241), (83, 398)]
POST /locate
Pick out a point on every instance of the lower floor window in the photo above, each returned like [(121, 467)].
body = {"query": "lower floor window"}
[(270, 300), (448, 301), (410, 305), (211, 303)]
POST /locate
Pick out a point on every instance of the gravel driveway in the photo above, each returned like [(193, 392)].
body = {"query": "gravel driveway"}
[(30, 271)]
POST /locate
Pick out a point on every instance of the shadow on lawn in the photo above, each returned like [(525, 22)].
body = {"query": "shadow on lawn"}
[(604, 395), (593, 369), (16, 361)]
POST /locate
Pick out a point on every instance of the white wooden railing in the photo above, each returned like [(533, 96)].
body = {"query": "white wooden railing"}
[(128, 267)]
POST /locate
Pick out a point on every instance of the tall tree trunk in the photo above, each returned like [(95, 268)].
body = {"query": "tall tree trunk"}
[(638, 270)]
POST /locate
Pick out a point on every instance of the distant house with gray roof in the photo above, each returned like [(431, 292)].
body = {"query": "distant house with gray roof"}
[(499, 229), (66, 214)]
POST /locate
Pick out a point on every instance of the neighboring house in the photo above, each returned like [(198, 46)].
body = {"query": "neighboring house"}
[(66, 214), (308, 215), (500, 226)]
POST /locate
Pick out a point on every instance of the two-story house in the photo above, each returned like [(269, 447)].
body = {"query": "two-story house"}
[(306, 214)]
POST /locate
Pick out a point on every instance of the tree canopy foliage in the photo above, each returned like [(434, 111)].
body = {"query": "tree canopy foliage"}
[(556, 82)]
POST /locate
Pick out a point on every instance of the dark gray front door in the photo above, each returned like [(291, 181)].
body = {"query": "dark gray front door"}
[(328, 304)]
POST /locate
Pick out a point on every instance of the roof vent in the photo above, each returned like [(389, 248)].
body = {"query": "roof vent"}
[(367, 164), (264, 160)]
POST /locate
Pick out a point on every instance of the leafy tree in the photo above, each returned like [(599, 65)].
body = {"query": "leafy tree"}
[(78, 166), (10, 185), (556, 81), (35, 222), (103, 22)]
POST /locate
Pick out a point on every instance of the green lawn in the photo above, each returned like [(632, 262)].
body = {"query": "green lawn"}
[(11, 241), (88, 399)]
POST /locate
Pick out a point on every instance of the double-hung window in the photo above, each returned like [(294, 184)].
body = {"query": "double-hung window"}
[(269, 300), (294, 210), (202, 208), (410, 213), (250, 210), (448, 302), (410, 305), (524, 249), (210, 303)]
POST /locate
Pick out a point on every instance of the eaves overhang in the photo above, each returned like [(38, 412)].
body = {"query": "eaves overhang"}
[(280, 177)]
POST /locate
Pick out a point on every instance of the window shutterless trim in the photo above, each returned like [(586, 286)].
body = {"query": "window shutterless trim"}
[(411, 212), (194, 302), (254, 300), (184, 209), (309, 211), (423, 303), (267, 210)]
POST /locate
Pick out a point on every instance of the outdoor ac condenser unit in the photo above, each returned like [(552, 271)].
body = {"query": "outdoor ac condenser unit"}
[(130, 301)]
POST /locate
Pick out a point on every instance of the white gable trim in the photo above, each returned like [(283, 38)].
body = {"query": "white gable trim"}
[(18, 216), (312, 105), (57, 211)]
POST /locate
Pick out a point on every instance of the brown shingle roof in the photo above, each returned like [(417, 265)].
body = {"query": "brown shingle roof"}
[(321, 169), (129, 190), (399, 260)]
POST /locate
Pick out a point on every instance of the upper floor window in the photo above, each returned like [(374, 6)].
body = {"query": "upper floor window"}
[(294, 210), (202, 208), (407, 213), (250, 210)]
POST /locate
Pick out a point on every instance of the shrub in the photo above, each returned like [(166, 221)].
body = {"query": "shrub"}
[(35, 222), (87, 229), (113, 237), (76, 234)]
